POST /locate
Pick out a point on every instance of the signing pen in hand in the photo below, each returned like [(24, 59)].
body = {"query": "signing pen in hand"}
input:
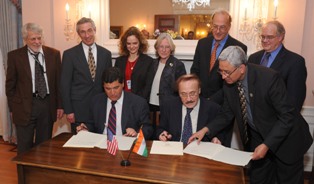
[(165, 136)]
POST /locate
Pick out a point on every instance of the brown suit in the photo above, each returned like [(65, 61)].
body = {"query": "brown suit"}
[(19, 83), (33, 116)]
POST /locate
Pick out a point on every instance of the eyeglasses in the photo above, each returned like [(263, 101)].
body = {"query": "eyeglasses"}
[(270, 37), (226, 73), (221, 28), (167, 47), (191, 94)]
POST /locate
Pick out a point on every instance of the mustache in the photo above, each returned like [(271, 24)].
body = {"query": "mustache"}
[(189, 102)]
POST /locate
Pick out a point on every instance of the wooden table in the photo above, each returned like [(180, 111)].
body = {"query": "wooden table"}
[(51, 163)]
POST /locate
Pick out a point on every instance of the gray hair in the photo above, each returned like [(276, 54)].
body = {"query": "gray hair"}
[(280, 28), (31, 27), (84, 20), (160, 38), (234, 55)]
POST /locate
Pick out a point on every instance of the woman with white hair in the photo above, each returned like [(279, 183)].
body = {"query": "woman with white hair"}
[(165, 70)]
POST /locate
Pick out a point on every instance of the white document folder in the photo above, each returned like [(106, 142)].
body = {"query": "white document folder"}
[(219, 153), (85, 139)]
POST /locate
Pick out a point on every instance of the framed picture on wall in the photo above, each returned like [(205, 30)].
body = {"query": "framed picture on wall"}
[(117, 30), (166, 22)]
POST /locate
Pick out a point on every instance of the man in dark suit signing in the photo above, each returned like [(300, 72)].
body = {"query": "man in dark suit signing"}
[(174, 113), (269, 125), (290, 65), (131, 111), (82, 67), (205, 62), (32, 88)]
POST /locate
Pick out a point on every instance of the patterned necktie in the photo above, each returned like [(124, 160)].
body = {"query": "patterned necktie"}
[(112, 118), (265, 59), (187, 127), (91, 63), (213, 56), (243, 112), (40, 82)]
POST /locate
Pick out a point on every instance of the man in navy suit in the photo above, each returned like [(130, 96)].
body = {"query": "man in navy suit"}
[(132, 111), (290, 65), (272, 129), (173, 112), (78, 86), (210, 79)]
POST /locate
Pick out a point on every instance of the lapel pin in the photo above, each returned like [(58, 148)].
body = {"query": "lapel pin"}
[(251, 95), (170, 64)]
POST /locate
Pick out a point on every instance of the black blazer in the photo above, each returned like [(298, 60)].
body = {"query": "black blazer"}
[(292, 69), (281, 126), (171, 117), (139, 73), (211, 82), (173, 70), (77, 86), (135, 113)]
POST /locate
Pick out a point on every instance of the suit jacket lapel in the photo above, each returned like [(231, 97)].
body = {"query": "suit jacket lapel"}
[(251, 86), (104, 110), (208, 49), (48, 63), (82, 61), (125, 111), (25, 61), (99, 65), (276, 65)]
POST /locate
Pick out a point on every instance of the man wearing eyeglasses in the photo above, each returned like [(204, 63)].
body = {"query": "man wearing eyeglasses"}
[(205, 62), (290, 65), (174, 113), (269, 125), (32, 88)]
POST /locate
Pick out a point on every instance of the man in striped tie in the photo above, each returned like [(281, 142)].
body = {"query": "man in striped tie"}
[(118, 111)]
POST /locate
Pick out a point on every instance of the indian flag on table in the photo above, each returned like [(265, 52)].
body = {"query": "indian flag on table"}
[(140, 145)]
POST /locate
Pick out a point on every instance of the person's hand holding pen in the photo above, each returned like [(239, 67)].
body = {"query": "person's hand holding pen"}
[(81, 127), (165, 136)]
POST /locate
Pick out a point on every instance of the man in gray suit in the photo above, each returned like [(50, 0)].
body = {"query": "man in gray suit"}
[(82, 67), (131, 111)]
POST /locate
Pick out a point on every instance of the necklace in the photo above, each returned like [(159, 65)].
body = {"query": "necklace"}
[(132, 64)]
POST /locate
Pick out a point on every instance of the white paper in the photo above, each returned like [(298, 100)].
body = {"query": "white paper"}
[(85, 139), (219, 153), (167, 148)]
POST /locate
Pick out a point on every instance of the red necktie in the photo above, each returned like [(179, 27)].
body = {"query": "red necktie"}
[(112, 118)]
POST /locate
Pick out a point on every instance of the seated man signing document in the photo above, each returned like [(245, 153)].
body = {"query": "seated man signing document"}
[(181, 117), (123, 112)]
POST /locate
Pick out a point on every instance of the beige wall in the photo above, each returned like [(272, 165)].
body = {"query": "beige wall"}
[(297, 16)]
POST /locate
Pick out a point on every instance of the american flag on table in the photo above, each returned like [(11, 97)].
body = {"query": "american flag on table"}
[(112, 143)]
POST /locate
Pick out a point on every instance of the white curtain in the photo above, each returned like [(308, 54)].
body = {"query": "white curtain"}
[(9, 41)]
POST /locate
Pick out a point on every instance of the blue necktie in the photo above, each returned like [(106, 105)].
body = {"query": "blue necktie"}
[(187, 127), (265, 59), (112, 118)]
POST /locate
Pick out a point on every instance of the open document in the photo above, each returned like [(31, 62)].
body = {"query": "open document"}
[(85, 139), (219, 153), (167, 148)]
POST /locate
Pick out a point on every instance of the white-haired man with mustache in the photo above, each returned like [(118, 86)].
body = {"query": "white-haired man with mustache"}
[(182, 116)]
